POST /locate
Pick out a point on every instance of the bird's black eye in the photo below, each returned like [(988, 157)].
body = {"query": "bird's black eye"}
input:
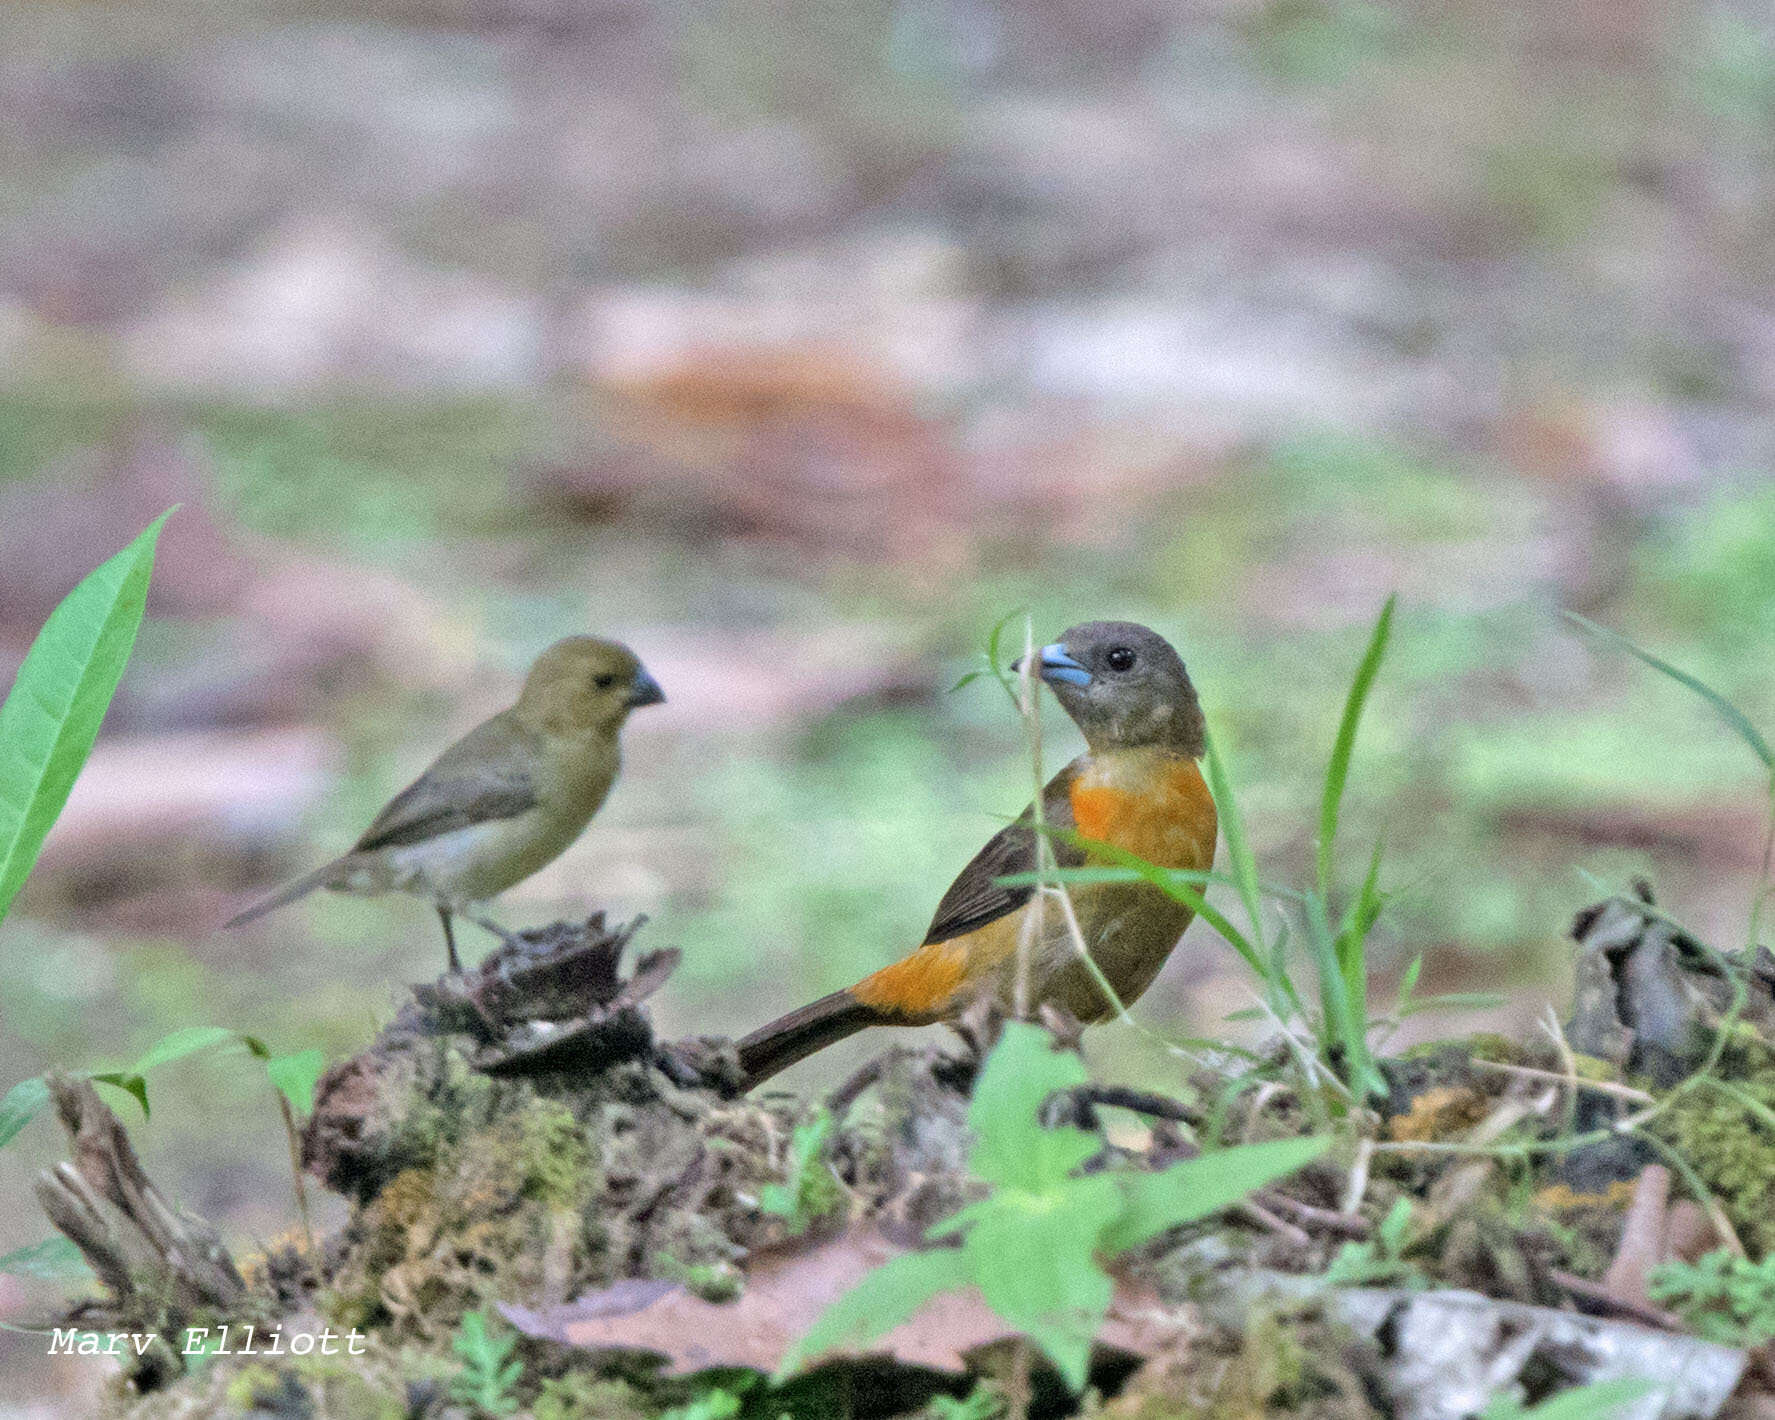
[(604, 682), (1120, 658)]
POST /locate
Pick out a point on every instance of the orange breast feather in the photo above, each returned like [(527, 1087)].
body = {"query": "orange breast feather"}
[(1166, 816)]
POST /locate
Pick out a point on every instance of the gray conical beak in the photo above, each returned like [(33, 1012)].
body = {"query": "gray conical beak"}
[(1057, 664), (645, 690)]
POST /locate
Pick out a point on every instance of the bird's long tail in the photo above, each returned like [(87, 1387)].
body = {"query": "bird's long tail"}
[(799, 1034), (285, 895)]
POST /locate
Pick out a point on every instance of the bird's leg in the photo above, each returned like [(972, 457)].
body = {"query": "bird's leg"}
[(450, 940)]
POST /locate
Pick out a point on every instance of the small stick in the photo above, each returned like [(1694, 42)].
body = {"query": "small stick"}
[(1358, 1184), (1608, 1303), (1267, 1220), (295, 1140), (1349, 1225), (847, 1094), (1140, 1101), (1601, 1087), (1568, 1062)]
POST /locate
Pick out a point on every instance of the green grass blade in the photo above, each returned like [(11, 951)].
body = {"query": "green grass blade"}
[(1173, 883), (1090, 877), (1345, 1012), (52, 716), (1337, 773), (1352, 936), (1238, 847), (1452, 1001), (1734, 717)]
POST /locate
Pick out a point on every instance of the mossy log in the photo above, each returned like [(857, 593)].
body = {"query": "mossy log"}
[(517, 1144)]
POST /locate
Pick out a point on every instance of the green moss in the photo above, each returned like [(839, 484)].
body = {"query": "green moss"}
[(488, 1189), (371, 1386), (556, 1158), (255, 1386), (578, 1396), (1729, 1147)]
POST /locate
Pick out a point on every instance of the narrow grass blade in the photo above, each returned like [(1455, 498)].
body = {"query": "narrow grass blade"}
[(1738, 721), (1179, 885), (1238, 847), (1352, 936), (1337, 773), (52, 716), (1083, 877), (1130, 867), (1345, 1011), (1452, 1001)]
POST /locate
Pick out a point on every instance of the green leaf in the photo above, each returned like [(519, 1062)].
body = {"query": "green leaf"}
[(716, 1404), (878, 1303), (295, 1077), (176, 1045), (1337, 772), (1734, 717), (486, 1380), (1197, 1187), (1010, 1145), (53, 1260), (52, 715), (994, 641), (789, 1199), (131, 1084), (1599, 1400), (23, 1102), (1395, 1228), (1034, 1258)]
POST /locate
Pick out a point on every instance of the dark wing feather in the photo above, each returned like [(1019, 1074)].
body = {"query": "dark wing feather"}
[(974, 898), (483, 777)]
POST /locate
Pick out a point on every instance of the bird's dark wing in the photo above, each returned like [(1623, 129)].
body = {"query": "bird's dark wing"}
[(481, 778), (974, 898)]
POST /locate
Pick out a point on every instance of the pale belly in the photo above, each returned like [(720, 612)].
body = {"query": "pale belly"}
[(468, 864)]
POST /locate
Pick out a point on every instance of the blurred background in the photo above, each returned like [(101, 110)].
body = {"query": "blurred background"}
[(797, 342)]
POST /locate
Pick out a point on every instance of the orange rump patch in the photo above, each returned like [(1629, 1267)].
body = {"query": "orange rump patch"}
[(917, 985)]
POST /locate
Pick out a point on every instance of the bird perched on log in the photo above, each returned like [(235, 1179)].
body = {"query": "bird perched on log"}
[(506, 799), (1137, 787)]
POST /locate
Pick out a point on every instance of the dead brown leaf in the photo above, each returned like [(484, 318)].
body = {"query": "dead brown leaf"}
[(785, 1294)]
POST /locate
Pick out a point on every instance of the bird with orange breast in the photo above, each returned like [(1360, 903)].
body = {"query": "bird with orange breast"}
[(1136, 787)]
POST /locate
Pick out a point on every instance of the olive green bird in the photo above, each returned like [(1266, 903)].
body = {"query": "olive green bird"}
[(506, 799)]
